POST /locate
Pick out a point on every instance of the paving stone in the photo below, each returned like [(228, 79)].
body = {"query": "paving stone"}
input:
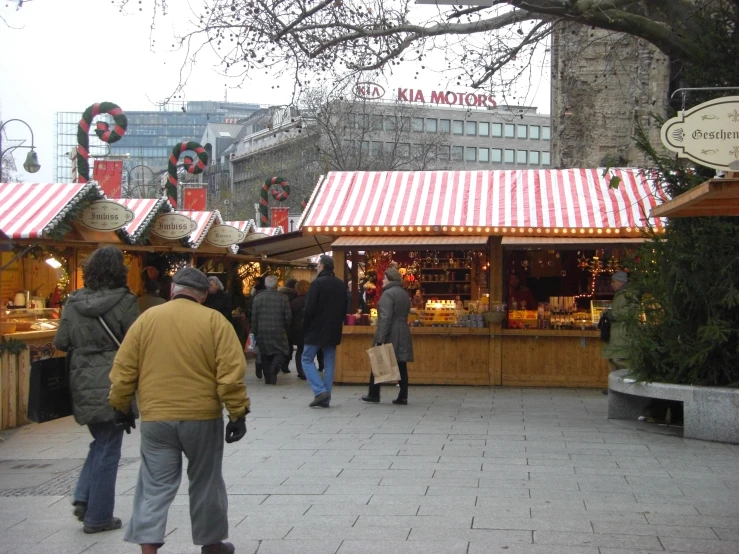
[(591, 539), (296, 547), (531, 524), (349, 533), (655, 530), (511, 548), (698, 545), (403, 547), (451, 520), (471, 535)]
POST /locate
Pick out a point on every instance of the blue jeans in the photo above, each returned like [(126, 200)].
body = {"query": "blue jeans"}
[(96, 484), (311, 373)]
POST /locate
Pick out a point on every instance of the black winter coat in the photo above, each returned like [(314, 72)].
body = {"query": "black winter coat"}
[(325, 310), (83, 337), (220, 302), (296, 333)]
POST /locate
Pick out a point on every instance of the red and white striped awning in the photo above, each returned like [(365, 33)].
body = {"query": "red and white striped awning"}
[(269, 231), (204, 221), (145, 211), (29, 210), (480, 200), (244, 225)]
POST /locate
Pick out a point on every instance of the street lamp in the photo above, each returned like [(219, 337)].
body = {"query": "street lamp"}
[(131, 171), (31, 164)]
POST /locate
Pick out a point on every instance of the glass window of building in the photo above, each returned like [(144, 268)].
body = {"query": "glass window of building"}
[(417, 124), (534, 132), (389, 147), (483, 154), (405, 124), (404, 150), (376, 122), (522, 156), (458, 127), (443, 152), (445, 126), (483, 129), (522, 131), (470, 154), (364, 147), (496, 155), (375, 148), (545, 133), (470, 128), (534, 157), (389, 123), (430, 125), (457, 153), (510, 130), (510, 156), (545, 158), (362, 121), (416, 151), (497, 129)]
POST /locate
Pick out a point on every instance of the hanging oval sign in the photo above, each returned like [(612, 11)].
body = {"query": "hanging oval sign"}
[(173, 226), (224, 235), (369, 91), (105, 215), (708, 133)]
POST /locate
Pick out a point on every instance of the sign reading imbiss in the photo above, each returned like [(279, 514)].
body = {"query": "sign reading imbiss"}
[(173, 226), (224, 235), (106, 215), (708, 133)]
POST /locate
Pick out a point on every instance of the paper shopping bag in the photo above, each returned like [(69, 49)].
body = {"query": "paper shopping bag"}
[(383, 362)]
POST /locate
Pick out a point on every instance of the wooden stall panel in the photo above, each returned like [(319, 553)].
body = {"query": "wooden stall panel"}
[(553, 361)]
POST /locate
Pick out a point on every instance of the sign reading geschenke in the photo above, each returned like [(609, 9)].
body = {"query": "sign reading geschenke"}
[(173, 226), (106, 215), (224, 235), (708, 134)]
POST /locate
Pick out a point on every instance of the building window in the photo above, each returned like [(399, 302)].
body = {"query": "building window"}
[(405, 124), (545, 158), (417, 124), (431, 125), (457, 153), (521, 156), (404, 150), (470, 154), (389, 148), (534, 132), (375, 148), (389, 123), (496, 155), (483, 129), (497, 130), (417, 151), (376, 122), (470, 128), (364, 147), (522, 131), (510, 130), (534, 157), (458, 127), (483, 154), (443, 152), (545, 133), (445, 126), (510, 155)]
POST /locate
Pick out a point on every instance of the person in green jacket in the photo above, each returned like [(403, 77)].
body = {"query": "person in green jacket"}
[(616, 350)]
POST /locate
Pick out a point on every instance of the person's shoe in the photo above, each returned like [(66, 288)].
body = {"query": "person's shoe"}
[(286, 370), (372, 399), (325, 404), (259, 371), (604, 391), (302, 376), (400, 401), (319, 399), (113, 524), (80, 509), (218, 548)]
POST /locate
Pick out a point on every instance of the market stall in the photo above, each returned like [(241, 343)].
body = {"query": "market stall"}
[(467, 244)]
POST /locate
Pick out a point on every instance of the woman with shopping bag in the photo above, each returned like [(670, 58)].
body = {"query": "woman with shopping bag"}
[(392, 327)]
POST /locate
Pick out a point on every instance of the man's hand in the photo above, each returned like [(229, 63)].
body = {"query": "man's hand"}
[(124, 421), (235, 430)]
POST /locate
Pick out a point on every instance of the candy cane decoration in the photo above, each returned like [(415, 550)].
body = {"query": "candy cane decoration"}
[(277, 195), (191, 166), (102, 130)]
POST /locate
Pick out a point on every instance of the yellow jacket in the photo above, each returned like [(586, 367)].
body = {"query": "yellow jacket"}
[(185, 361)]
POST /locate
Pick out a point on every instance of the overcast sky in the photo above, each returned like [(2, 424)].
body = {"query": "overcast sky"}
[(69, 54)]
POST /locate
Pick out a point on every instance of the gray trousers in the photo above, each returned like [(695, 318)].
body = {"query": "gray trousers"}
[(162, 446)]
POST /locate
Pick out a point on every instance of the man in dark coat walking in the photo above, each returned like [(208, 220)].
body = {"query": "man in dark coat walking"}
[(270, 320), (323, 320)]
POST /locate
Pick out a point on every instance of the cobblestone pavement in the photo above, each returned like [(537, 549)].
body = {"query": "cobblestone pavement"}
[(460, 470)]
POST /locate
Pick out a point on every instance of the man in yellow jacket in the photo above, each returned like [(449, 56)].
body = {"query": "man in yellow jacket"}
[(185, 361)]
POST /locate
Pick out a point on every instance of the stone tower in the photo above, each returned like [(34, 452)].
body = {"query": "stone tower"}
[(603, 83)]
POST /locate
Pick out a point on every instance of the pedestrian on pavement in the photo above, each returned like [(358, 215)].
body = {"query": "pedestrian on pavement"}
[(296, 334), (392, 327), (616, 350), (184, 361), (323, 321), (151, 297), (291, 293), (270, 320), (257, 287), (218, 299), (90, 352)]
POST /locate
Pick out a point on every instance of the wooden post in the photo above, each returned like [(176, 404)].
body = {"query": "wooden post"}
[(355, 281), (339, 258)]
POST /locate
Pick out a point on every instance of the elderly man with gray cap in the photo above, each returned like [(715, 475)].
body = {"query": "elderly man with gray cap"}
[(185, 362), (270, 319), (617, 347)]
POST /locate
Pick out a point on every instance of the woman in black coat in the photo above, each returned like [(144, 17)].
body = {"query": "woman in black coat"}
[(296, 333)]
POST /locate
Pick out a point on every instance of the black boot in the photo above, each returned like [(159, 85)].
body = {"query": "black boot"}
[(259, 370)]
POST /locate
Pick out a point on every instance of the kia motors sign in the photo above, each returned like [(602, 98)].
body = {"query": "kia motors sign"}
[(447, 98), (106, 215), (172, 226), (708, 134), (369, 91), (224, 235)]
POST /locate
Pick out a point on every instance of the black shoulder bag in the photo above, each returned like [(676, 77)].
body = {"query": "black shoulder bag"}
[(604, 324)]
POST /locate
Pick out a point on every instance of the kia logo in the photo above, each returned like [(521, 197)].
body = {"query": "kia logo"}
[(368, 91)]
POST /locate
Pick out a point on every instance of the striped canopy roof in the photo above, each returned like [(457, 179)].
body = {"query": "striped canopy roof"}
[(145, 211), (244, 225), (204, 220), (480, 200), (269, 231), (28, 210)]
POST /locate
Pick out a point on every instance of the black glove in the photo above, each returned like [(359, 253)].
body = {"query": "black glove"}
[(124, 421), (235, 430)]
